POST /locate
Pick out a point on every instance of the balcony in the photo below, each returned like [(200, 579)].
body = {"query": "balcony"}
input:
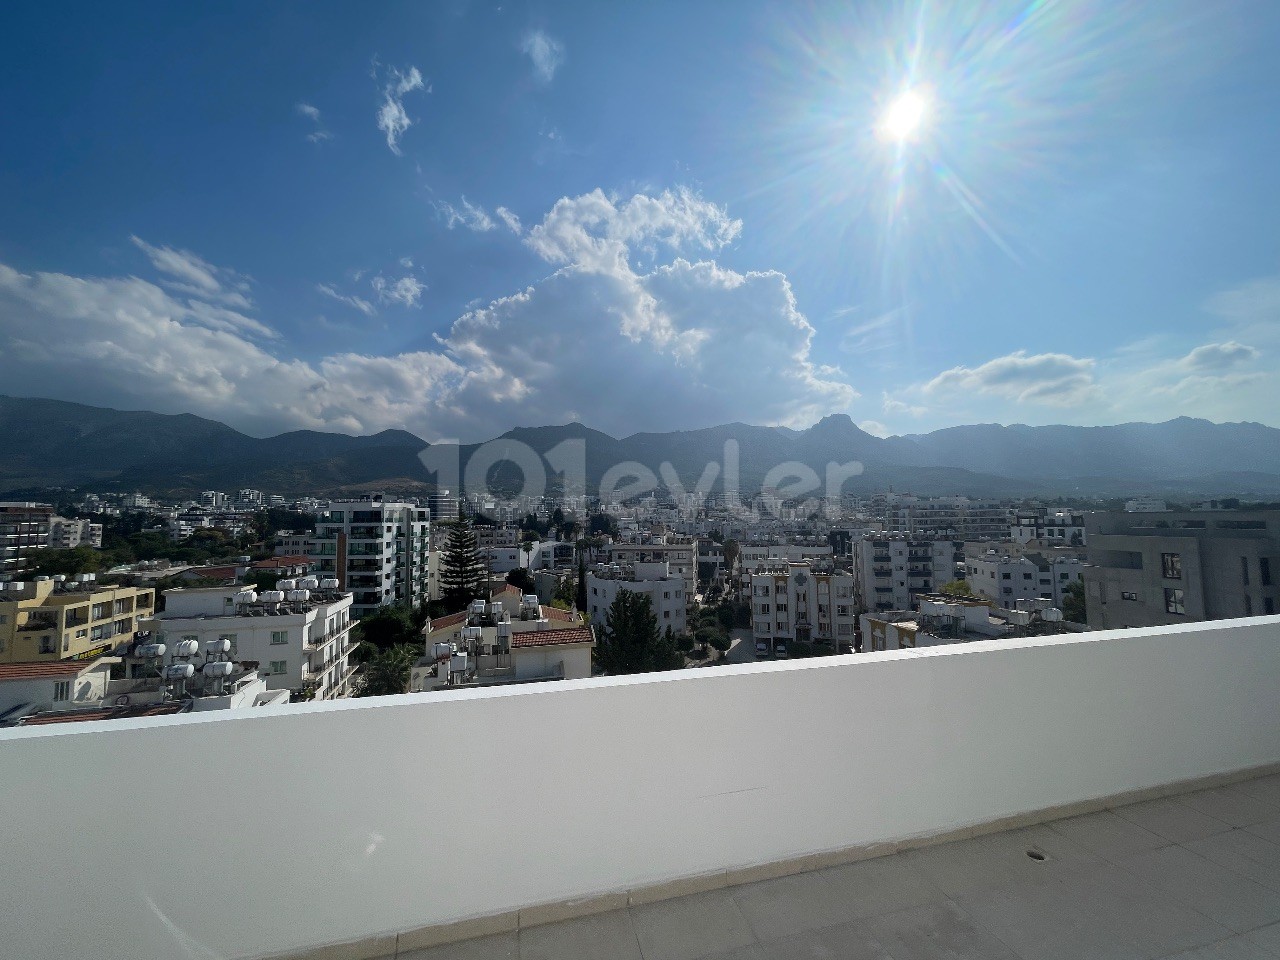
[(1139, 794)]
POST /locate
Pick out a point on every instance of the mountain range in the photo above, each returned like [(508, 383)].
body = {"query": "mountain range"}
[(48, 443)]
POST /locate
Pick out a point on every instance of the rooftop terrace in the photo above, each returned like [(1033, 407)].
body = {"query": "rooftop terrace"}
[(873, 805)]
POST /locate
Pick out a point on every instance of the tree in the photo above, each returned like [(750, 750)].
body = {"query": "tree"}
[(730, 555), (631, 641), (522, 580), (1073, 607), (684, 643), (564, 594), (712, 636), (581, 598), (387, 628), (957, 588), (389, 672), (462, 571)]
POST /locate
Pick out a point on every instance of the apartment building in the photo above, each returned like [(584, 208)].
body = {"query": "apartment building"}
[(299, 634), (56, 618), (892, 571), (959, 518), (375, 548), (943, 619), (667, 591), (752, 556), (679, 553), (65, 534), (1031, 576), (1149, 568), (24, 530), (793, 602), (1049, 528)]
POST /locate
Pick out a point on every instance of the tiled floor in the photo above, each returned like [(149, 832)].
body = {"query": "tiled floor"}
[(1194, 877)]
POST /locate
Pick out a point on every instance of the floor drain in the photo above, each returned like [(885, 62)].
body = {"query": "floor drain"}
[(1035, 855)]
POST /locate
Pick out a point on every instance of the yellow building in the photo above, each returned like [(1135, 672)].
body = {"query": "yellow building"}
[(46, 620)]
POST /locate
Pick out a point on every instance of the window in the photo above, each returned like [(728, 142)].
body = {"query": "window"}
[(4, 618), (278, 666), (46, 644), (62, 690), (764, 608), (1173, 601), (1007, 576), (1171, 566), (666, 614), (1128, 595), (1264, 570), (279, 636), (1248, 605)]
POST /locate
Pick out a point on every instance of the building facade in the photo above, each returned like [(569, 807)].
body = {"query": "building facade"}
[(892, 571), (50, 619), (1032, 576), (666, 590), (298, 635), (1149, 568), (65, 534), (375, 549), (24, 530), (792, 602)]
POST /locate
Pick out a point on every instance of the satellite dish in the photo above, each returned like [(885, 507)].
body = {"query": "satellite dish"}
[(122, 700)]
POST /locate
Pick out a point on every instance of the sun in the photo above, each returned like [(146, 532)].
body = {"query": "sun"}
[(904, 118)]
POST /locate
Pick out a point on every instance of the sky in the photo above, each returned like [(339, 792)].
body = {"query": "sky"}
[(460, 217)]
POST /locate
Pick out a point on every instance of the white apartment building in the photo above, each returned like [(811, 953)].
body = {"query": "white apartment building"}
[(931, 517), (680, 555), (790, 601), (1055, 528), (752, 556), (666, 589), (892, 571), (1007, 579), (376, 549), (67, 534), (298, 634), (294, 543)]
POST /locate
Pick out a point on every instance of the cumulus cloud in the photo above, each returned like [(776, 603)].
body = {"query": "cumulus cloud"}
[(546, 52), (393, 120), (1218, 357), (683, 343), (364, 306), (892, 405), (406, 291), (1055, 379), (467, 214), (312, 113)]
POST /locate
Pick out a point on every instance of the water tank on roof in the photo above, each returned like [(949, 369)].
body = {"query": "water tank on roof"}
[(247, 596), (60, 578), (179, 671), (440, 650), (308, 583), (221, 645), (42, 579), (286, 584), (299, 596), (495, 610), (1052, 614), (186, 648), (271, 596), (219, 668), (150, 650), (329, 583), (472, 633), (476, 608)]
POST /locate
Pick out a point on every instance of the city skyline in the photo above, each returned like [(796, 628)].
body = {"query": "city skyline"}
[(460, 220)]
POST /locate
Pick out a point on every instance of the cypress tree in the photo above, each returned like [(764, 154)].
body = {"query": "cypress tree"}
[(631, 641), (462, 570)]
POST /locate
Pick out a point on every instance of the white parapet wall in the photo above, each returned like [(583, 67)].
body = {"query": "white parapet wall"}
[(224, 836)]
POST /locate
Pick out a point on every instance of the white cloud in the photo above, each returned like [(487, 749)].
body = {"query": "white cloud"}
[(406, 291), (320, 134), (1055, 379), (894, 405), (188, 273), (682, 343), (406, 262), (874, 427), (1218, 357), (467, 214), (393, 120), (364, 306), (510, 219), (546, 52), (307, 110)]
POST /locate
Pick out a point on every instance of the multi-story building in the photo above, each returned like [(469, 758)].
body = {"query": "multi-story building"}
[(943, 619), (298, 634), (1032, 576), (377, 549), (751, 556), (679, 553), (49, 619), (892, 571), (666, 589), (958, 518), (443, 506), (67, 534), (24, 530), (293, 543), (1054, 528), (793, 602), (1150, 568)]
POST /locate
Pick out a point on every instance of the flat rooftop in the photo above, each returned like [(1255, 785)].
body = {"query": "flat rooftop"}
[(1194, 876)]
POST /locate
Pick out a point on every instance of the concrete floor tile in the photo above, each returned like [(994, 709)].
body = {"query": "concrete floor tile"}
[(1234, 948), (1172, 820), (1218, 893), (1231, 804), (1268, 938), (1244, 853), (940, 931), (691, 927), (505, 946), (848, 941), (605, 936), (882, 885), (1264, 788), (1108, 835), (786, 906), (1268, 830)]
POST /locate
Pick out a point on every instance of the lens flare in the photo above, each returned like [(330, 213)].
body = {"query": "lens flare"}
[(904, 118)]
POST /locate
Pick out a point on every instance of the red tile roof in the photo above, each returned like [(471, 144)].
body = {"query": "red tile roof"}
[(555, 613), (107, 713), (46, 668), (439, 623), (545, 638), (275, 563)]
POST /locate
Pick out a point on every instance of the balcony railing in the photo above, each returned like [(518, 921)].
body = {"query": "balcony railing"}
[(982, 733)]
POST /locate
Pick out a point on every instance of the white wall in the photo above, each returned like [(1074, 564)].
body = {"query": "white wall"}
[(362, 843)]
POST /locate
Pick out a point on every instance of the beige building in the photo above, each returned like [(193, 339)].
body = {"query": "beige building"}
[(59, 619)]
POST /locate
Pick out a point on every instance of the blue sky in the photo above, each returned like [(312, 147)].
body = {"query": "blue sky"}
[(461, 217)]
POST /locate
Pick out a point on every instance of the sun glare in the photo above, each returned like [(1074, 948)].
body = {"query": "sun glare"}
[(904, 117)]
